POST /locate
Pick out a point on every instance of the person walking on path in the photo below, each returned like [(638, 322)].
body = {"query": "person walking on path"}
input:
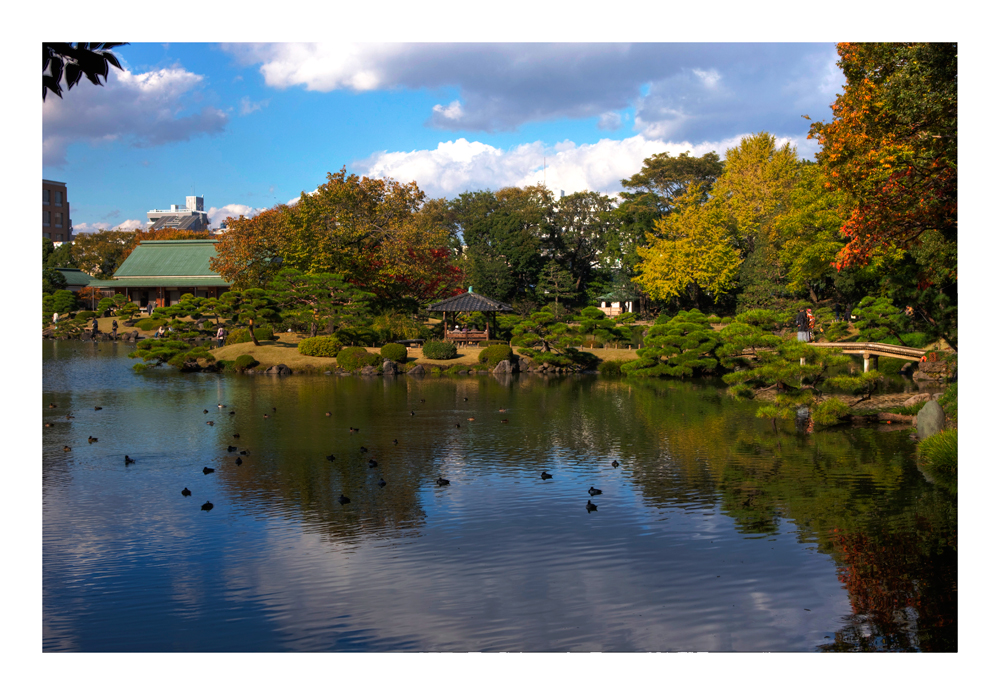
[(802, 326), (114, 329), (220, 336)]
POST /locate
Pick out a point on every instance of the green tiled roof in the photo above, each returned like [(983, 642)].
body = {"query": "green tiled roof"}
[(172, 281), (169, 261), (76, 277)]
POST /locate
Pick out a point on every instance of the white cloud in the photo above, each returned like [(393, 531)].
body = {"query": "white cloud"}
[(129, 225), (698, 91), (458, 166), (217, 216), (247, 107), (87, 228), (144, 110), (609, 121)]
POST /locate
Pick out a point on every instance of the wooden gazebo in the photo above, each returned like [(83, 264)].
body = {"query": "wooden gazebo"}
[(467, 303)]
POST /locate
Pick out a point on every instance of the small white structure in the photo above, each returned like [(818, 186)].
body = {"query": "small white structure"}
[(613, 304)]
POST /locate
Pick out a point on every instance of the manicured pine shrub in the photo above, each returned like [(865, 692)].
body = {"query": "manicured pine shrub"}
[(320, 346), (438, 350), (242, 335), (352, 358), (243, 363), (394, 352), (495, 354)]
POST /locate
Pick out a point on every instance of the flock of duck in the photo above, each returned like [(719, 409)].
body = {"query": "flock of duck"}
[(343, 499)]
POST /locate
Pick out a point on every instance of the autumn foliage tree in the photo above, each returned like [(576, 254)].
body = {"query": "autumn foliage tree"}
[(893, 147)]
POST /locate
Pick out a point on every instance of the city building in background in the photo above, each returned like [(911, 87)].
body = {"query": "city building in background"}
[(56, 223), (190, 217)]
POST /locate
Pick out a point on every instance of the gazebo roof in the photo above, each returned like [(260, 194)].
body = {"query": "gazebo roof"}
[(470, 301)]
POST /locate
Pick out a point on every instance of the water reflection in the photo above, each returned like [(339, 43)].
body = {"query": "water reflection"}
[(715, 533)]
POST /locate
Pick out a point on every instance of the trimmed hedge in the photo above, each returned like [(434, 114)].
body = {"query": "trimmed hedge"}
[(352, 358), (394, 352), (85, 315), (150, 324), (242, 335), (321, 346), (437, 350), (610, 368), (244, 362), (495, 354)]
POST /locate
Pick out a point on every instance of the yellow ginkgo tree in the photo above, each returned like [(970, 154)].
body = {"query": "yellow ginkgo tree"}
[(691, 250)]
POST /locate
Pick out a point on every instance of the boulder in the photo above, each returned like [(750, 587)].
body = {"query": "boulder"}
[(930, 420), (389, 368), (918, 398), (368, 370), (279, 369), (417, 371)]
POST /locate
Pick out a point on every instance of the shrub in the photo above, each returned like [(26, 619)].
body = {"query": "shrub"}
[(243, 363), (939, 452), (437, 350), (495, 354), (949, 401), (150, 324), (85, 315), (242, 335), (394, 352), (352, 358), (320, 346)]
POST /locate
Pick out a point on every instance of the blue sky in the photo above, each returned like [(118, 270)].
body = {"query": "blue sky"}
[(250, 125)]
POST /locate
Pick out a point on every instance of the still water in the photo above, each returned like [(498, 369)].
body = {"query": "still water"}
[(715, 533)]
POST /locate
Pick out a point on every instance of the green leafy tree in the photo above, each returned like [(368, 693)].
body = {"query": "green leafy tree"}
[(319, 299), (72, 61), (554, 283), (581, 226), (504, 233)]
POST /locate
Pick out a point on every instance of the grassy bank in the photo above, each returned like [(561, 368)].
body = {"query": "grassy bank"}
[(284, 350)]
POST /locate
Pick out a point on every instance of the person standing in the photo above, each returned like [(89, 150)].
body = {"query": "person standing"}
[(93, 330), (55, 317), (114, 329), (220, 336), (802, 326), (812, 322)]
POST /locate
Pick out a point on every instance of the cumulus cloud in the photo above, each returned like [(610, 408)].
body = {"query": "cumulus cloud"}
[(460, 165), (142, 109), (696, 92), (129, 225), (217, 216), (91, 227)]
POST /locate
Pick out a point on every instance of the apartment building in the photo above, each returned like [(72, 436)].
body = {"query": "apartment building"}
[(56, 223)]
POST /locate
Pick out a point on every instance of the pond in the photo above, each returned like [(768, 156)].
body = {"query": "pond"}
[(715, 533)]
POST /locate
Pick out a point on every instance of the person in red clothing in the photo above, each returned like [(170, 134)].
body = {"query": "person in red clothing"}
[(812, 323)]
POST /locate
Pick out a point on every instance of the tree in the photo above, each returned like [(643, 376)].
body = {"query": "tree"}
[(581, 226), (663, 179), (504, 233), (554, 282), (692, 250), (249, 254), (808, 232), (317, 299), (893, 147), (90, 60), (681, 346)]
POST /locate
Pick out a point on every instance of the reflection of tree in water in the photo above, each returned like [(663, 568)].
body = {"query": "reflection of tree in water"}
[(855, 493)]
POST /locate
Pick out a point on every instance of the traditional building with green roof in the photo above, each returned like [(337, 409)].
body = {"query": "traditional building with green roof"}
[(159, 272), (76, 279)]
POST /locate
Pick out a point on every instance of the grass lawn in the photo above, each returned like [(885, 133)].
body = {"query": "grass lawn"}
[(284, 350)]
